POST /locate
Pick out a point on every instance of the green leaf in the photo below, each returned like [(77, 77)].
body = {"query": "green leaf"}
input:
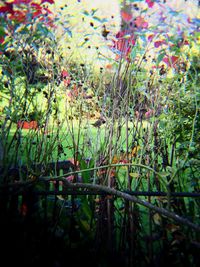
[(160, 58), (133, 53), (157, 219), (2, 32), (94, 11), (86, 209), (175, 48), (24, 30), (86, 13), (164, 174), (83, 166), (99, 19), (170, 169), (42, 29), (134, 174), (69, 32), (85, 225)]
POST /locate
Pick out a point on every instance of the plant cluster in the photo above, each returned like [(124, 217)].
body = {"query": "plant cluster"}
[(131, 126)]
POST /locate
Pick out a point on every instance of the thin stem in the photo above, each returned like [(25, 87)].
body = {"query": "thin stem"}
[(125, 196), (112, 166)]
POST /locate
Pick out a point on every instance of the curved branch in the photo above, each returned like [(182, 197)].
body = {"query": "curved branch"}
[(125, 196), (113, 166)]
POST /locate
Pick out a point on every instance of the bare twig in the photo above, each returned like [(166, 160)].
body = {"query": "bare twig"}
[(125, 196)]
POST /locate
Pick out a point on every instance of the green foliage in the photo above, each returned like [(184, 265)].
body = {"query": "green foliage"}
[(133, 125)]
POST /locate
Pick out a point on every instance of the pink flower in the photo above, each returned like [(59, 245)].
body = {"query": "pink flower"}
[(159, 43), (141, 23), (67, 82), (70, 178), (148, 114), (150, 37), (150, 3), (64, 74)]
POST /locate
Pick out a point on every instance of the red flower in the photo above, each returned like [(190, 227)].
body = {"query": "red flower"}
[(18, 2), (18, 16), (170, 60), (124, 43), (49, 1), (7, 8), (24, 209), (1, 40), (37, 13), (186, 42), (65, 77), (47, 11), (37, 6), (157, 67), (27, 125), (127, 17), (189, 20), (40, 11), (124, 161)]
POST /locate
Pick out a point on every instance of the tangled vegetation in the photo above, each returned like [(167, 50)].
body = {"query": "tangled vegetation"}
[(100, 160)]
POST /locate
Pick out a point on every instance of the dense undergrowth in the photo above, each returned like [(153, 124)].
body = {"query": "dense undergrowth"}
[(130, 125)]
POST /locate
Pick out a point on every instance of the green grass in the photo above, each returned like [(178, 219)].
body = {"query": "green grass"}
[(89, 138)]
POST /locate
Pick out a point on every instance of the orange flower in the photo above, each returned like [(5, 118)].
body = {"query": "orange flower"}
[(109, 66)]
